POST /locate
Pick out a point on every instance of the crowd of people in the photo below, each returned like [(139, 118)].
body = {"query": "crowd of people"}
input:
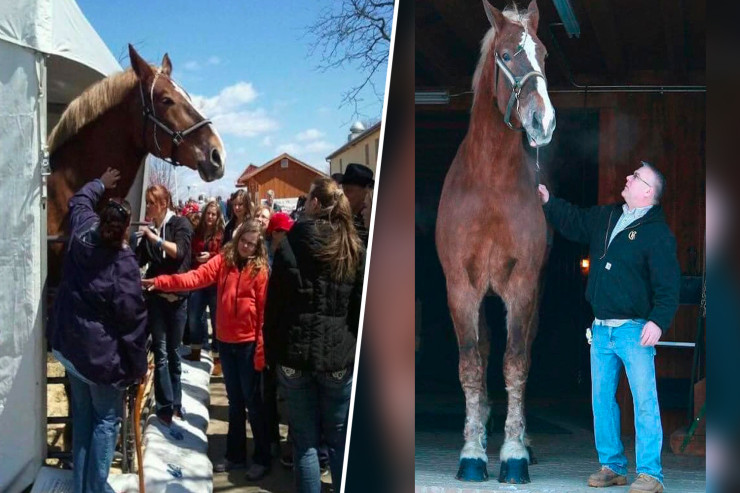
[(283, 291)]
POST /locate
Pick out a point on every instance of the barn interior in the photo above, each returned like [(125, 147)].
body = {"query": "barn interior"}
[(627, 80)]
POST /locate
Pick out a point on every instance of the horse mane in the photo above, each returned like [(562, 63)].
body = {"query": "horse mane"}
[(88, 106), (513, 15)]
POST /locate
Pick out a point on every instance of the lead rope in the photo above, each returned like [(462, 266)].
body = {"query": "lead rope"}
[(537, 166)]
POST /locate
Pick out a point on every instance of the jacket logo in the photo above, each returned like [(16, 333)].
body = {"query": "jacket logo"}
[(632, 235)]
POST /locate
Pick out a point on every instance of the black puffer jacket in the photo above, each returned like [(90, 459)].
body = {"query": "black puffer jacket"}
[(311, 321)]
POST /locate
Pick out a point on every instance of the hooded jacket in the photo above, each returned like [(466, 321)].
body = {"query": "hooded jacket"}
[(636, 275), (240, 299), (178, 230), (311, 320), (99, 318)]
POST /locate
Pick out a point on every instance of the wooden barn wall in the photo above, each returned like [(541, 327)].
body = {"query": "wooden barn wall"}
[(293, 181), (669, 131)]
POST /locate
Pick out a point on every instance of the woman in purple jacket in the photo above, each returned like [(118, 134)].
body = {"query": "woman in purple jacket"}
[(98, 327)]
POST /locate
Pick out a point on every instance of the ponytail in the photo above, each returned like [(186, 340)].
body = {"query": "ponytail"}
[(342, 248)]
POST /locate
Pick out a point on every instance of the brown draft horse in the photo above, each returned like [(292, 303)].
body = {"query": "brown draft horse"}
[(491, 231), (116, 123)]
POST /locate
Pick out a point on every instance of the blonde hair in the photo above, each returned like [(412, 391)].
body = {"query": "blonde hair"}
[(342, 248), (231, 250), (93, 102)]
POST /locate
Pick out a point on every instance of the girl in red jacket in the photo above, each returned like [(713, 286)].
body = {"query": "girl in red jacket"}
[(240, 275)]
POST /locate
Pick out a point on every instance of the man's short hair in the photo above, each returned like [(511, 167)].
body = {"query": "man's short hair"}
[(659, 185)]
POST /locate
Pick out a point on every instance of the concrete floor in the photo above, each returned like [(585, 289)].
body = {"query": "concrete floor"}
[(563, 446)]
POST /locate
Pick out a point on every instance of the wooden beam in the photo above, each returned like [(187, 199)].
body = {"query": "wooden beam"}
[(601, 14)]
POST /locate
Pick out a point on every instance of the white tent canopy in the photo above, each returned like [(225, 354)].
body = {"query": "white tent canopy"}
[(49, 54)]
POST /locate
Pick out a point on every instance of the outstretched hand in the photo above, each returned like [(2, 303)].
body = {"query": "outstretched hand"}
[(110, 178), (147, 284), (544, 193)]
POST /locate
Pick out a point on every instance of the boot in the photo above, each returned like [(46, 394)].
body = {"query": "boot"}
[(217, 367), (606, 477), (194, 354)]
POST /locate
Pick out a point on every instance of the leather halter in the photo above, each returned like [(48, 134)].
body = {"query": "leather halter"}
[(517, 83), (177, 136)]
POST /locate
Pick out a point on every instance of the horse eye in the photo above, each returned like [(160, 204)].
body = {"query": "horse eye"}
[(506, 57), (167, 101)]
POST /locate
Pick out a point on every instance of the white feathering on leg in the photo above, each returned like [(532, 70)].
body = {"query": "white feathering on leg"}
[(513, 449), (473, 450)]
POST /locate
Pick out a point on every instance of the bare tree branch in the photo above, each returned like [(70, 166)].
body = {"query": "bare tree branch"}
[(161, 173), (357, 34)]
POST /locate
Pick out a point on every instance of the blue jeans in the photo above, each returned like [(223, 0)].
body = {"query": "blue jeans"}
[(167, 323), (612, 348), (197, 322), (96, 416), (242, 383), (318, 404)]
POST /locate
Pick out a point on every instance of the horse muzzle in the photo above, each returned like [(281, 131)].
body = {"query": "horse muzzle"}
[(212, 168), (539, 132)]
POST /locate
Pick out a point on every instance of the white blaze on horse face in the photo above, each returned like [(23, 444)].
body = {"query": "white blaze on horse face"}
[(222, 149), (530, 49)]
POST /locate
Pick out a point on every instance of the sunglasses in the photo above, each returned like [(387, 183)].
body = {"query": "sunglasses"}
[(118, 207)]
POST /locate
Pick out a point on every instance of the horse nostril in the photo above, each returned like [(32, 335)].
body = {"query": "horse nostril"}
[(216, 157), (536, 122)]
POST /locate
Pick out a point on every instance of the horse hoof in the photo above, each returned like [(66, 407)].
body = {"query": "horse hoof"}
[(532, 458), (472, 470), (514, 471)]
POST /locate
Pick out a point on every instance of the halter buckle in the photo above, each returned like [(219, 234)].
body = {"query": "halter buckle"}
[(177, 138)]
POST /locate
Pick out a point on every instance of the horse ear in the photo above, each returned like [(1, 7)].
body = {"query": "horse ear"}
[(534, 15), (141, 68), (495, 17), (166, 65)]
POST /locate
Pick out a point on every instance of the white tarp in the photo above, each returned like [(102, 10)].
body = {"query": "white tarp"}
[(40, 41), (176, 458)]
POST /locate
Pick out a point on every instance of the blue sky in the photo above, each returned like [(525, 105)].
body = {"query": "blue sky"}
[(248, 65)]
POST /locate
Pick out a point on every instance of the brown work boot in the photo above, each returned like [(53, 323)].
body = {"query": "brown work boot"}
[(217, 367), (606, 477), (646, 484)]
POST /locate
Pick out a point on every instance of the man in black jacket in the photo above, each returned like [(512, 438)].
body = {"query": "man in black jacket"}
[(633, 288)]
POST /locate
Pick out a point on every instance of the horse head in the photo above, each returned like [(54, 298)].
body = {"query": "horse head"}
[(173, 128), (513, 63)]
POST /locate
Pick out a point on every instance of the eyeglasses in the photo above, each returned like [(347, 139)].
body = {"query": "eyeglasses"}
[(635, 175)]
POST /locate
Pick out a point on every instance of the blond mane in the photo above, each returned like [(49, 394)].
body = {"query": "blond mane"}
[(93, 102), (513, 15)]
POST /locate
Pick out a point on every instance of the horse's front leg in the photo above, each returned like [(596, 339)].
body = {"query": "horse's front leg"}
[(473, 458), (514, 452)]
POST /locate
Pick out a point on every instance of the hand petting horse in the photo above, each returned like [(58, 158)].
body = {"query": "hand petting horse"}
[(503, 249), (116, 123)]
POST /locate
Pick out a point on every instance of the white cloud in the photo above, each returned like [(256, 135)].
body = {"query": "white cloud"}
[(214, 60), (191, 65), (319, 146), (245, 123), (228, 112), (310, 134), (267, 141), (229, 99)]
